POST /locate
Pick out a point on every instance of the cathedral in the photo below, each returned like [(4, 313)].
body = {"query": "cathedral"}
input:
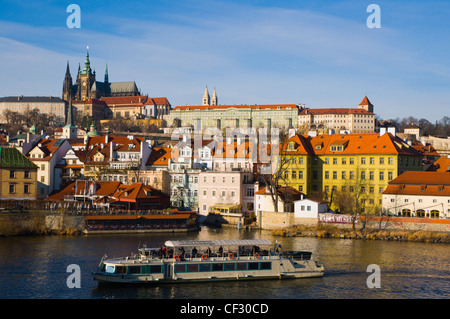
[(87, 87)]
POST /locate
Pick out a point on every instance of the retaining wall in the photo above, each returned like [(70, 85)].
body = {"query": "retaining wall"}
[(272, 221)]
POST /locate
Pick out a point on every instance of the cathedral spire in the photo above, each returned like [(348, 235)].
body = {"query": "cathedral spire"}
[(87, 63), (106, 74)]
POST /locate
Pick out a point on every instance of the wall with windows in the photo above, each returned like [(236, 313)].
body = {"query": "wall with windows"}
[(18, 183)]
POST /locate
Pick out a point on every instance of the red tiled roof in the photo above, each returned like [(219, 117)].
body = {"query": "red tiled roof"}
[(159, 156), (365, 101), (242, 106), (321, 111), (125, 100), (370, 143)]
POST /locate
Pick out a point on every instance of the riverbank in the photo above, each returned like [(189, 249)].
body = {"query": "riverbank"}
[(327, 231)]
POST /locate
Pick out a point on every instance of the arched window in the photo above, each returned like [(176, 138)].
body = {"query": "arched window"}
[(406, 212), (434, 213), (420, 213)]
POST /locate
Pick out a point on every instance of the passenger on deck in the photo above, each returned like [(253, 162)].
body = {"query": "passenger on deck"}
[(220, 251), (194, 252)]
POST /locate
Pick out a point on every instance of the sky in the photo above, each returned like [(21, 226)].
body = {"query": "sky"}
[(318, 53)]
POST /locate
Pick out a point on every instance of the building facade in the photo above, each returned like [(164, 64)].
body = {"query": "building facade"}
[(418, 194), (18, 176), (354, 120), (23, 104), (346, 165)]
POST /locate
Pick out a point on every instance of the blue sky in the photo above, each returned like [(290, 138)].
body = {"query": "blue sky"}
[(317, 53)]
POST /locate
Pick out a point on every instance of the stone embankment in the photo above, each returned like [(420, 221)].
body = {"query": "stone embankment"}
[(40, 224), (321, 231)]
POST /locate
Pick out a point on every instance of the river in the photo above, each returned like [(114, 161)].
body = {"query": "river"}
[(36, 267)]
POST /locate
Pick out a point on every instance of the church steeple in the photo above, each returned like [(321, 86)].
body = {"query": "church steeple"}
[(214, 100), (206, 98), (70, 130)]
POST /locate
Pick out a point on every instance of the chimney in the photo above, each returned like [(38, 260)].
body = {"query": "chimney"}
[(291, 132)]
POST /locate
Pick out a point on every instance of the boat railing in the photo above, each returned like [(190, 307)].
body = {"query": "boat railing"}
[(229, 255)]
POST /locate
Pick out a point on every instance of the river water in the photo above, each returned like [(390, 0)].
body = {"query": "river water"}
[(37, 268)]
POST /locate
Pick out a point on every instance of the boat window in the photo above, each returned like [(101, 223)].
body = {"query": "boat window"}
[(180, 268), (228, 266), (121, 270), (241, 266), (192, 267), (266, 265), (253, 266), (205, 267), (109, 269), (217, 267), (134, 269), (155, 269)]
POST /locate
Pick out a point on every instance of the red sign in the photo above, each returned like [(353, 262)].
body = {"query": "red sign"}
[(337, 219)]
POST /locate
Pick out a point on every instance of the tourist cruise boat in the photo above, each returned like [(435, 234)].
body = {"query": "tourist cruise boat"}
[(205, 261)]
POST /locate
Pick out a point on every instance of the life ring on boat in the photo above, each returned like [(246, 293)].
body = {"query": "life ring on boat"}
[(176, 257), (257, 255), (204, 257), (230, 256)]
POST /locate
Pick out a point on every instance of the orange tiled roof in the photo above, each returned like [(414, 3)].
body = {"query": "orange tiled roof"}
[(157, 101), (425, 150), (365, 101), (334, 111), (46, 145), (159, 156), (242, 106), (138, 191), (442, 164), (125, 100), (370, 143)]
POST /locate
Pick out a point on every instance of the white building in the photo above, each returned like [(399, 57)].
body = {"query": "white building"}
[(308, 208), (418, 194)]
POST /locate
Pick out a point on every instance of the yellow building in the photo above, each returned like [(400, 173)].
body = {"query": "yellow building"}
[(347, 170), (18, 176)]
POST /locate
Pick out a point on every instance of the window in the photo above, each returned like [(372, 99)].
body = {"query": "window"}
[(352, 161), (300, 174), (42, 179), (390, 176), (371, 175), (381, 160), (327, 175), (250, 192), (363, 160), (344, 161), (390, 160), (12, 188), (294, 174), (352, 175), (12, 174), (363, 175), (26, 174), (327, 160), (372, 160), (344, 175), (334, 161), (334, 175), (381, 176), (26, 189)]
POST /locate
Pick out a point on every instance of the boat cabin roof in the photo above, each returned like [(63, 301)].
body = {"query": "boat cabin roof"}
[(213, 243)]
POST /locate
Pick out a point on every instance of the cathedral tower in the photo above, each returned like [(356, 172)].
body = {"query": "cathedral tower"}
[(85, 80), (214, 100)]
